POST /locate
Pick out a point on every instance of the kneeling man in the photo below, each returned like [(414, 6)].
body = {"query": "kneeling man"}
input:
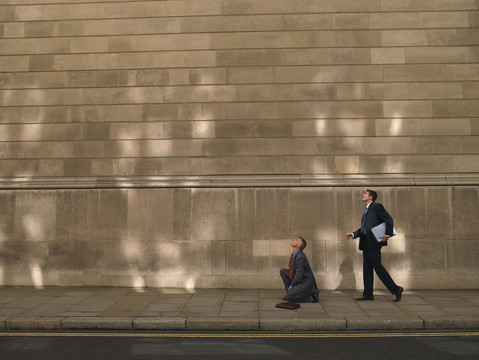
[(299, 280)]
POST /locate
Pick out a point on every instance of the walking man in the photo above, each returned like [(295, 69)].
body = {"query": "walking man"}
[(374, 214)]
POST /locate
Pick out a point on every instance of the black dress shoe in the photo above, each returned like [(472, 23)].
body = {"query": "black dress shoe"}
[(399, 294), (364, 298), (315, 296)]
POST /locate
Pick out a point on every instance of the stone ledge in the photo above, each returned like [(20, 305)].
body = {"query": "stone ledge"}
[(234, 181)]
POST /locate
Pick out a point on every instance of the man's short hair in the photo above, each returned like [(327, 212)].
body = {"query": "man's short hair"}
[(373, 193), (303, 243)]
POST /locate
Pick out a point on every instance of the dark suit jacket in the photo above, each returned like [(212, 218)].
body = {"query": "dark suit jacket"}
[(302, 274), (376, 215)]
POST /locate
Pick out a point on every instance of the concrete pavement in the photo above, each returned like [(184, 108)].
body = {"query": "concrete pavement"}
[(74, 308)]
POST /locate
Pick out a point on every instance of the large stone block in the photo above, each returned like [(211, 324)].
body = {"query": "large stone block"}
[(150, 214), (462, 257), (113, 215), (220, 214), (313, 214), (77, 214), (273, 215), (465, 206), (35, 216)]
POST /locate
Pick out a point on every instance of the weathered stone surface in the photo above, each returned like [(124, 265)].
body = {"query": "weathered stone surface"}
[(185, 143)]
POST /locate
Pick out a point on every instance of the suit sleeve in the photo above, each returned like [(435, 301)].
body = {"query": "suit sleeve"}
[(356, 233), (384, 216)]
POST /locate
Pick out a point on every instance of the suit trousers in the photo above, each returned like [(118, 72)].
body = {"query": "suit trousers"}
[(301, 292), (284, 273), (372, 260)]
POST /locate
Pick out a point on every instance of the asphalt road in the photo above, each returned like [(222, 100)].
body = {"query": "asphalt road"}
[(231, 346)]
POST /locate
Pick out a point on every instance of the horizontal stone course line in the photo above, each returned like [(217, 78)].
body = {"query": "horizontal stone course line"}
[(145, 8), (46, 51), (239, 181), (365, 83), (332, 90), (225, 32)]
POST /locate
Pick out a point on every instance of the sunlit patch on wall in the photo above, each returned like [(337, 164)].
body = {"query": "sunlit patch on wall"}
[(37, 276), (190, 283), (138, 283), (320, 127), (396, 126), (32, 226), (203, 129), (397, 243)]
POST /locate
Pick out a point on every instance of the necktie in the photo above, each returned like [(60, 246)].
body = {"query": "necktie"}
[(362, 221), (291, 266)]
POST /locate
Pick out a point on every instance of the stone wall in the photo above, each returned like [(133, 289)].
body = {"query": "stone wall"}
[(171, 143), (231, 238)]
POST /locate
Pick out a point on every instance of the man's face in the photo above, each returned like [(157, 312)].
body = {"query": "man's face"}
[(296, 243), (367, 197)]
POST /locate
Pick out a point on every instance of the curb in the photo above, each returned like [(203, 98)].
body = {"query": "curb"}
[(222, 324), (303, 324), (159, 324), (238, 324), (451, 322), (412, 323), (99, 323)]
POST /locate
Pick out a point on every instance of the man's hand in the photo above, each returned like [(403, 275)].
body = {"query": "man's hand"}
[(384, 238), (288, 290), (349, 235)]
